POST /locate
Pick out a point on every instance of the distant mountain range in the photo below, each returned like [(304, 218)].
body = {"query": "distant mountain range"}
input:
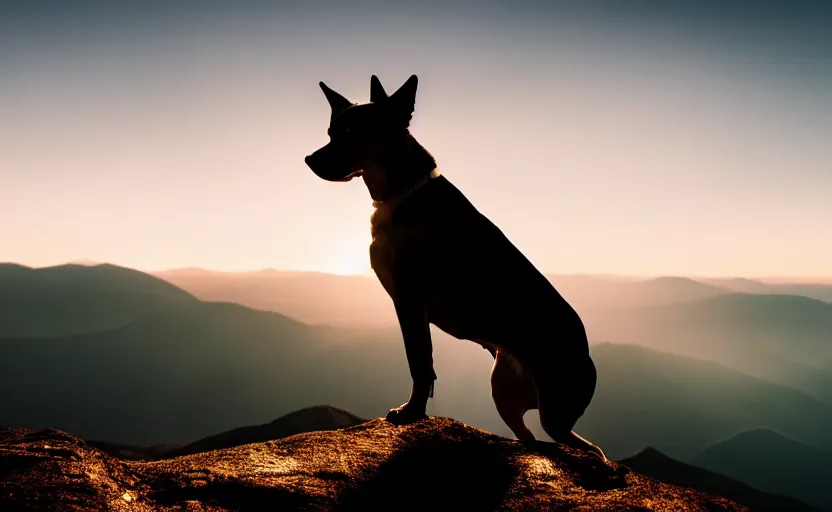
[(769, 460), (197, 368), (193, 369), (655, 464), (792, 326), (72, 299), (820, 291), (359, 301), (784, 338), (749, 325), (681, 405), (310, 297)]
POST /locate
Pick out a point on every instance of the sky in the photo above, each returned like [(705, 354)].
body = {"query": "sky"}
[(639, 138)]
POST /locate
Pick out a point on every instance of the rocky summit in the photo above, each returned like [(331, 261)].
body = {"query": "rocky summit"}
[(434, 464)]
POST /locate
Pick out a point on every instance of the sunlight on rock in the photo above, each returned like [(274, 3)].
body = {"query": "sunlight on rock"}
[(539, 466), (272, 465), (360, 468)]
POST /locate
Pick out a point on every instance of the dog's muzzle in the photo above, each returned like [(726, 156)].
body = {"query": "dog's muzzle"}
[(330, 164)]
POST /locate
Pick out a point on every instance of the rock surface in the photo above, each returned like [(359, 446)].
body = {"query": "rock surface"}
[(434, 464)]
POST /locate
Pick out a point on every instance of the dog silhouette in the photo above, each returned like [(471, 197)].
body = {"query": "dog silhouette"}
[(443, 262)]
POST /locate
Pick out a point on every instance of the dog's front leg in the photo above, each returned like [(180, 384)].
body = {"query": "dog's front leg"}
[(419, 349)]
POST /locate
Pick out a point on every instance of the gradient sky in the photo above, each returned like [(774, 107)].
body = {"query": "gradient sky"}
[(684, 138)]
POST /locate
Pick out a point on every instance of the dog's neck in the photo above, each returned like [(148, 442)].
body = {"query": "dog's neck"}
[(408, 170), (382, 216), (390, 204), (392, 176)]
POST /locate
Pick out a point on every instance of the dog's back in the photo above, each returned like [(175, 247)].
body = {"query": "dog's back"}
[(478, 285)]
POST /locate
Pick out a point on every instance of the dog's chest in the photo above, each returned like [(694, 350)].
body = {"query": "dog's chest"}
[(382, 248)]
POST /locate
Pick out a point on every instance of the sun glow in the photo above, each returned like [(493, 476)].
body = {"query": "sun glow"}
[(350, 254), (357, 264)]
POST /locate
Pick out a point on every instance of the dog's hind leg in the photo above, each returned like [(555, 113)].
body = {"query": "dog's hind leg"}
[(563, 394), (513, 393)]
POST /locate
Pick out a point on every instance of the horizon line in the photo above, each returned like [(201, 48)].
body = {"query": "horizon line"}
[(772, 279)]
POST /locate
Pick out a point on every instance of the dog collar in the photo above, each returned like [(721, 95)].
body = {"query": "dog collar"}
[(392, 203)]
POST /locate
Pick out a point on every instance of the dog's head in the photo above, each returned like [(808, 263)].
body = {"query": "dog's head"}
[(358, 133)]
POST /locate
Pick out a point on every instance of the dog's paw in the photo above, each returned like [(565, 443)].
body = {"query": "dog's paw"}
[(405, 414)]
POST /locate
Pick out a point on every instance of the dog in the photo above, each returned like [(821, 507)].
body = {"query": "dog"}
[(442, 262)]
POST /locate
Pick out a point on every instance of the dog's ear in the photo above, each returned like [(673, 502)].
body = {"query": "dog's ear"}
[(336, 101), (404, 99), (377, 92)]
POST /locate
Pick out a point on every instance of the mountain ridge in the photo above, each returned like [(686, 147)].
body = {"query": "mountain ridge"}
[(73, 299), (767, 459), (655, 464)]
